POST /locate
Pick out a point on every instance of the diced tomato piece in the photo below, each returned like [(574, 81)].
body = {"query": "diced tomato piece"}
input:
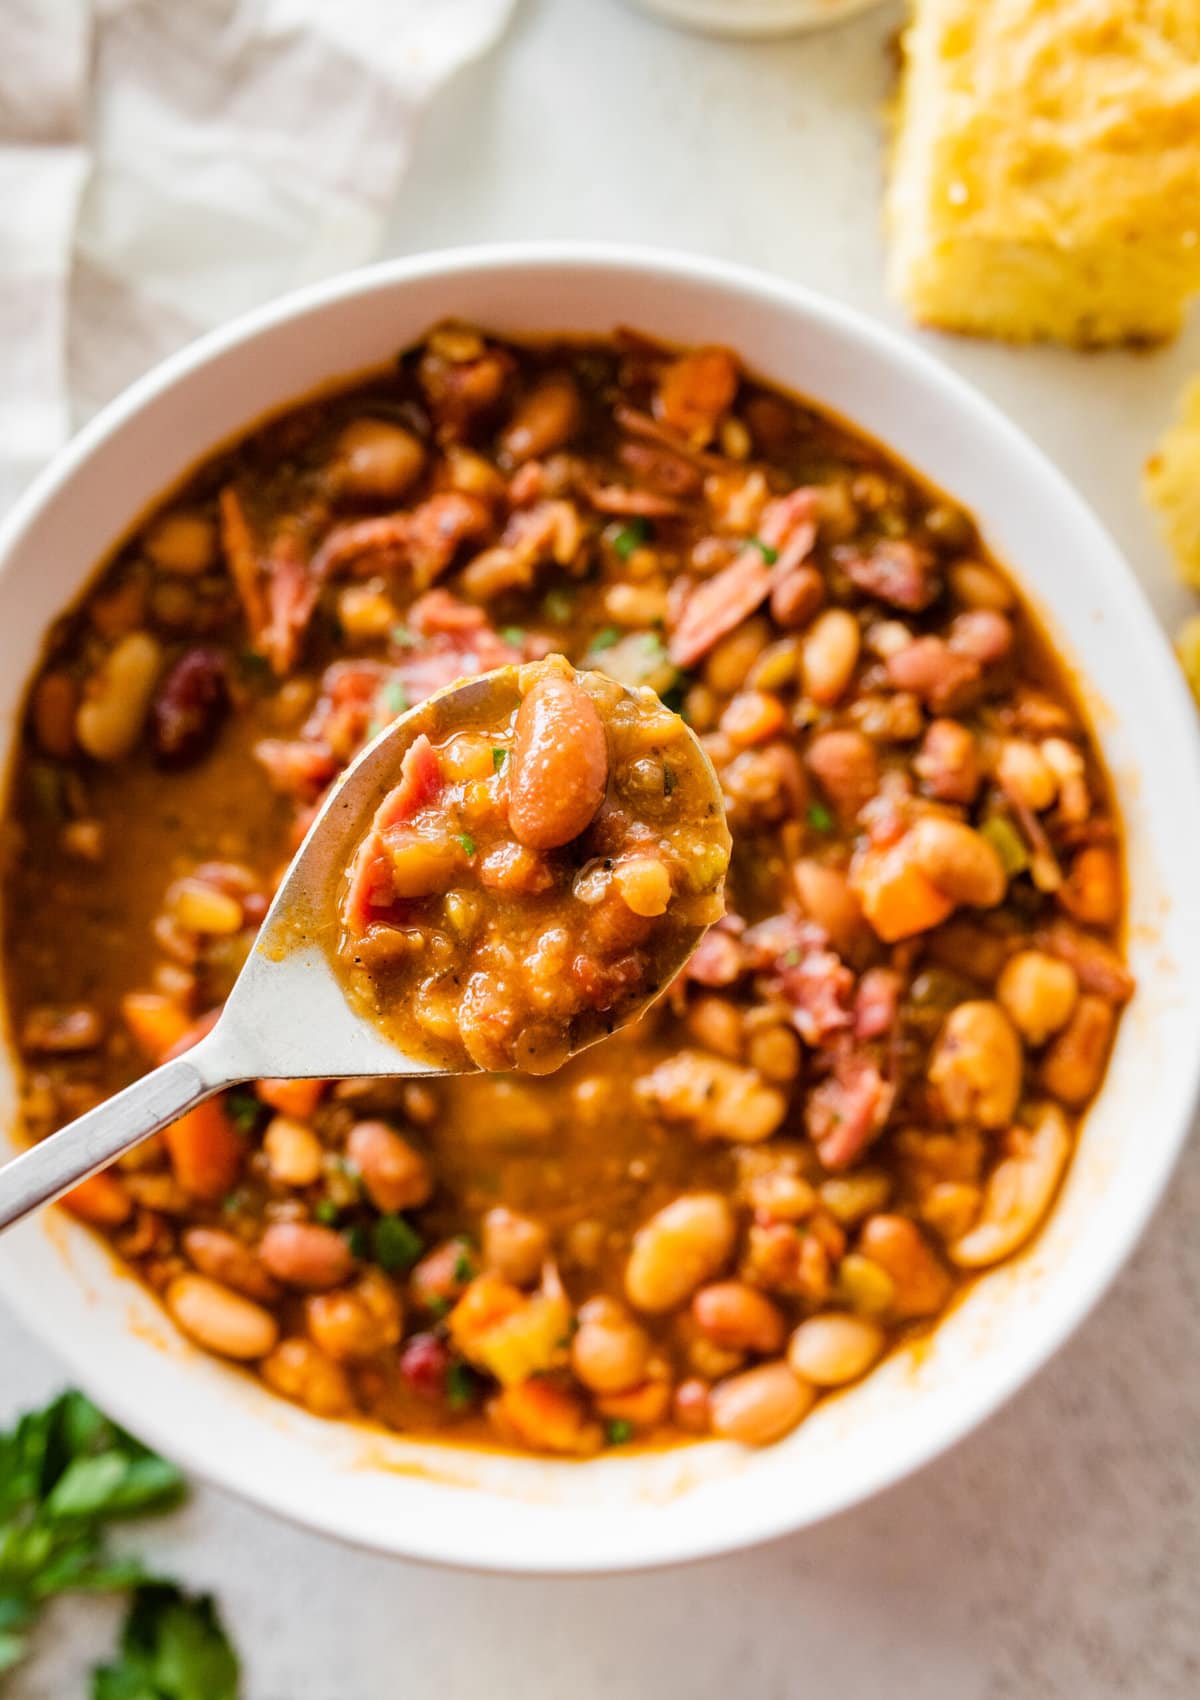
[(205, 1151)]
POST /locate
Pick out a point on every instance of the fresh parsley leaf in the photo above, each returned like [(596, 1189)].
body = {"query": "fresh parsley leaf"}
[(243, 1110), (65, 1471), (514, 635), (357, 1238), (173, 1647), (325, 1211), (557, 605), (630, 537), (819, 818), (467, 842), (254, 665), (460, 1387), (769, 555), (402, 637), (396, 1243), (464, 1267), (499, 757), (618, 1431), (395, 698), (604, 639)]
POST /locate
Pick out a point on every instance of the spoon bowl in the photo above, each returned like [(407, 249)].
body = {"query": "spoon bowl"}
[(288, 1015)]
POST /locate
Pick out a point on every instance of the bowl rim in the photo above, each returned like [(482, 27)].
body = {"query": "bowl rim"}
[(1003, 1374)]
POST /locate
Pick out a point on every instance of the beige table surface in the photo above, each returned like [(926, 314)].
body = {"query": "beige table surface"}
[(1056, 1553)]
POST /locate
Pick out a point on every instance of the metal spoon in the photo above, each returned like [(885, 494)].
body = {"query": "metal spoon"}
[(287, 1015)]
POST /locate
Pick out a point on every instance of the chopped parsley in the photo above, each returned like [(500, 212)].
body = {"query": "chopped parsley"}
[(618, 1431), (769, 555), (499, 757), (243, 1110), (819, 818), (668, 780), (467, 842), (464, 1267), (438, 1306), (460, 1387), (173, 1647), (514, 635), (395, 698), (630, 537), (356, 1238), (325, 1211), (790, 958), (403, 638), (557, 605), (255, 665), (396, 1244), (604, 639)]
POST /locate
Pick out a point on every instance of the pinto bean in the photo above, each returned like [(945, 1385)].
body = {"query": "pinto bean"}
[(293, 1152), (976, 1064), (224, 1258), (357, 1322), (829, 655), (846, 767), (378, 460), (948, 762), (1039, 992), (739, 1317), (683, 1245), (797, 597), (832, 1349), (958, 860), (760, 1405), (920, 1286), (609, 1352), (1019, 1191), (110, 718), (514, 1246), (304, 1254), (1091, 891), (395, 1176), (558, 769), (188, 709), (221, 1320), (298, 1370), (944, 680), (983, 634), (828, 898), (544, 420), (1074, 1064)]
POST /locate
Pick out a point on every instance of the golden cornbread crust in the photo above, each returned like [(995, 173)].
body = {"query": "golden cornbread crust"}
[(1173, 485), (1045, 174)]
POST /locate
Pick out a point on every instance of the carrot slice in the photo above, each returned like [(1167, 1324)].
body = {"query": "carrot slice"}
[(295, 1098), (896, 897), (205, 1151), (156, 1022), (100, 1200)]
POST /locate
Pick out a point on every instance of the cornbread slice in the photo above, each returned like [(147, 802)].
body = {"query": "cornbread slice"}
[(1172, 485), (1045, 173)]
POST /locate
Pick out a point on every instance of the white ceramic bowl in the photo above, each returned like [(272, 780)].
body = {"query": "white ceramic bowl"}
[(526, 1514)]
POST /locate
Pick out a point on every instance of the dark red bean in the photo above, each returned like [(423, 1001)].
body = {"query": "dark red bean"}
[(558, 771), (187, 713), (424, 1362)]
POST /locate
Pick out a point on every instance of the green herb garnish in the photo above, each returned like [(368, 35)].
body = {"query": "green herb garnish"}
[(173, 1647), (557, 605), (604, 639), (618, 1431), (66, 1472), (819, 818), (403, 638), (630, 537), (396, 1244), (467, 842), (256, 665), (438, 1306), (395, 698), (464, 1268), (668, 780), (790, 958), (357, 1239), (769, 555), (514, 635), (499, 757), (460, 1387), (243, 1110), (325, 1211)]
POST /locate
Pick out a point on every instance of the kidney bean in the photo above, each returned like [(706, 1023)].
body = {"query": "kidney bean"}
[(304, 1254), (558, 769), (225, 1259), (424, 1362), (221, 1320), (396, 1177), (732, 1314), (187, 713)]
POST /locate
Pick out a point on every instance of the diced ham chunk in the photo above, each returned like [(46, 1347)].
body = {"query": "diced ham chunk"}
[(848, 1109)]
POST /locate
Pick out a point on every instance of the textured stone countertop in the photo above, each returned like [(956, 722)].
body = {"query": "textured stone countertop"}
[(1054, 1553)]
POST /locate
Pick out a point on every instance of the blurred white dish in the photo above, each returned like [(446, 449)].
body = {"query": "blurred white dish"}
[(754, 17)]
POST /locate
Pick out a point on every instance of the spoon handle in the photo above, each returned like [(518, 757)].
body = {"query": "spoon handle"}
[(55, 1164)]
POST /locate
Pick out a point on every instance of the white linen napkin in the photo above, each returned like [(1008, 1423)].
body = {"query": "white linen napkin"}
[(164, 166)]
